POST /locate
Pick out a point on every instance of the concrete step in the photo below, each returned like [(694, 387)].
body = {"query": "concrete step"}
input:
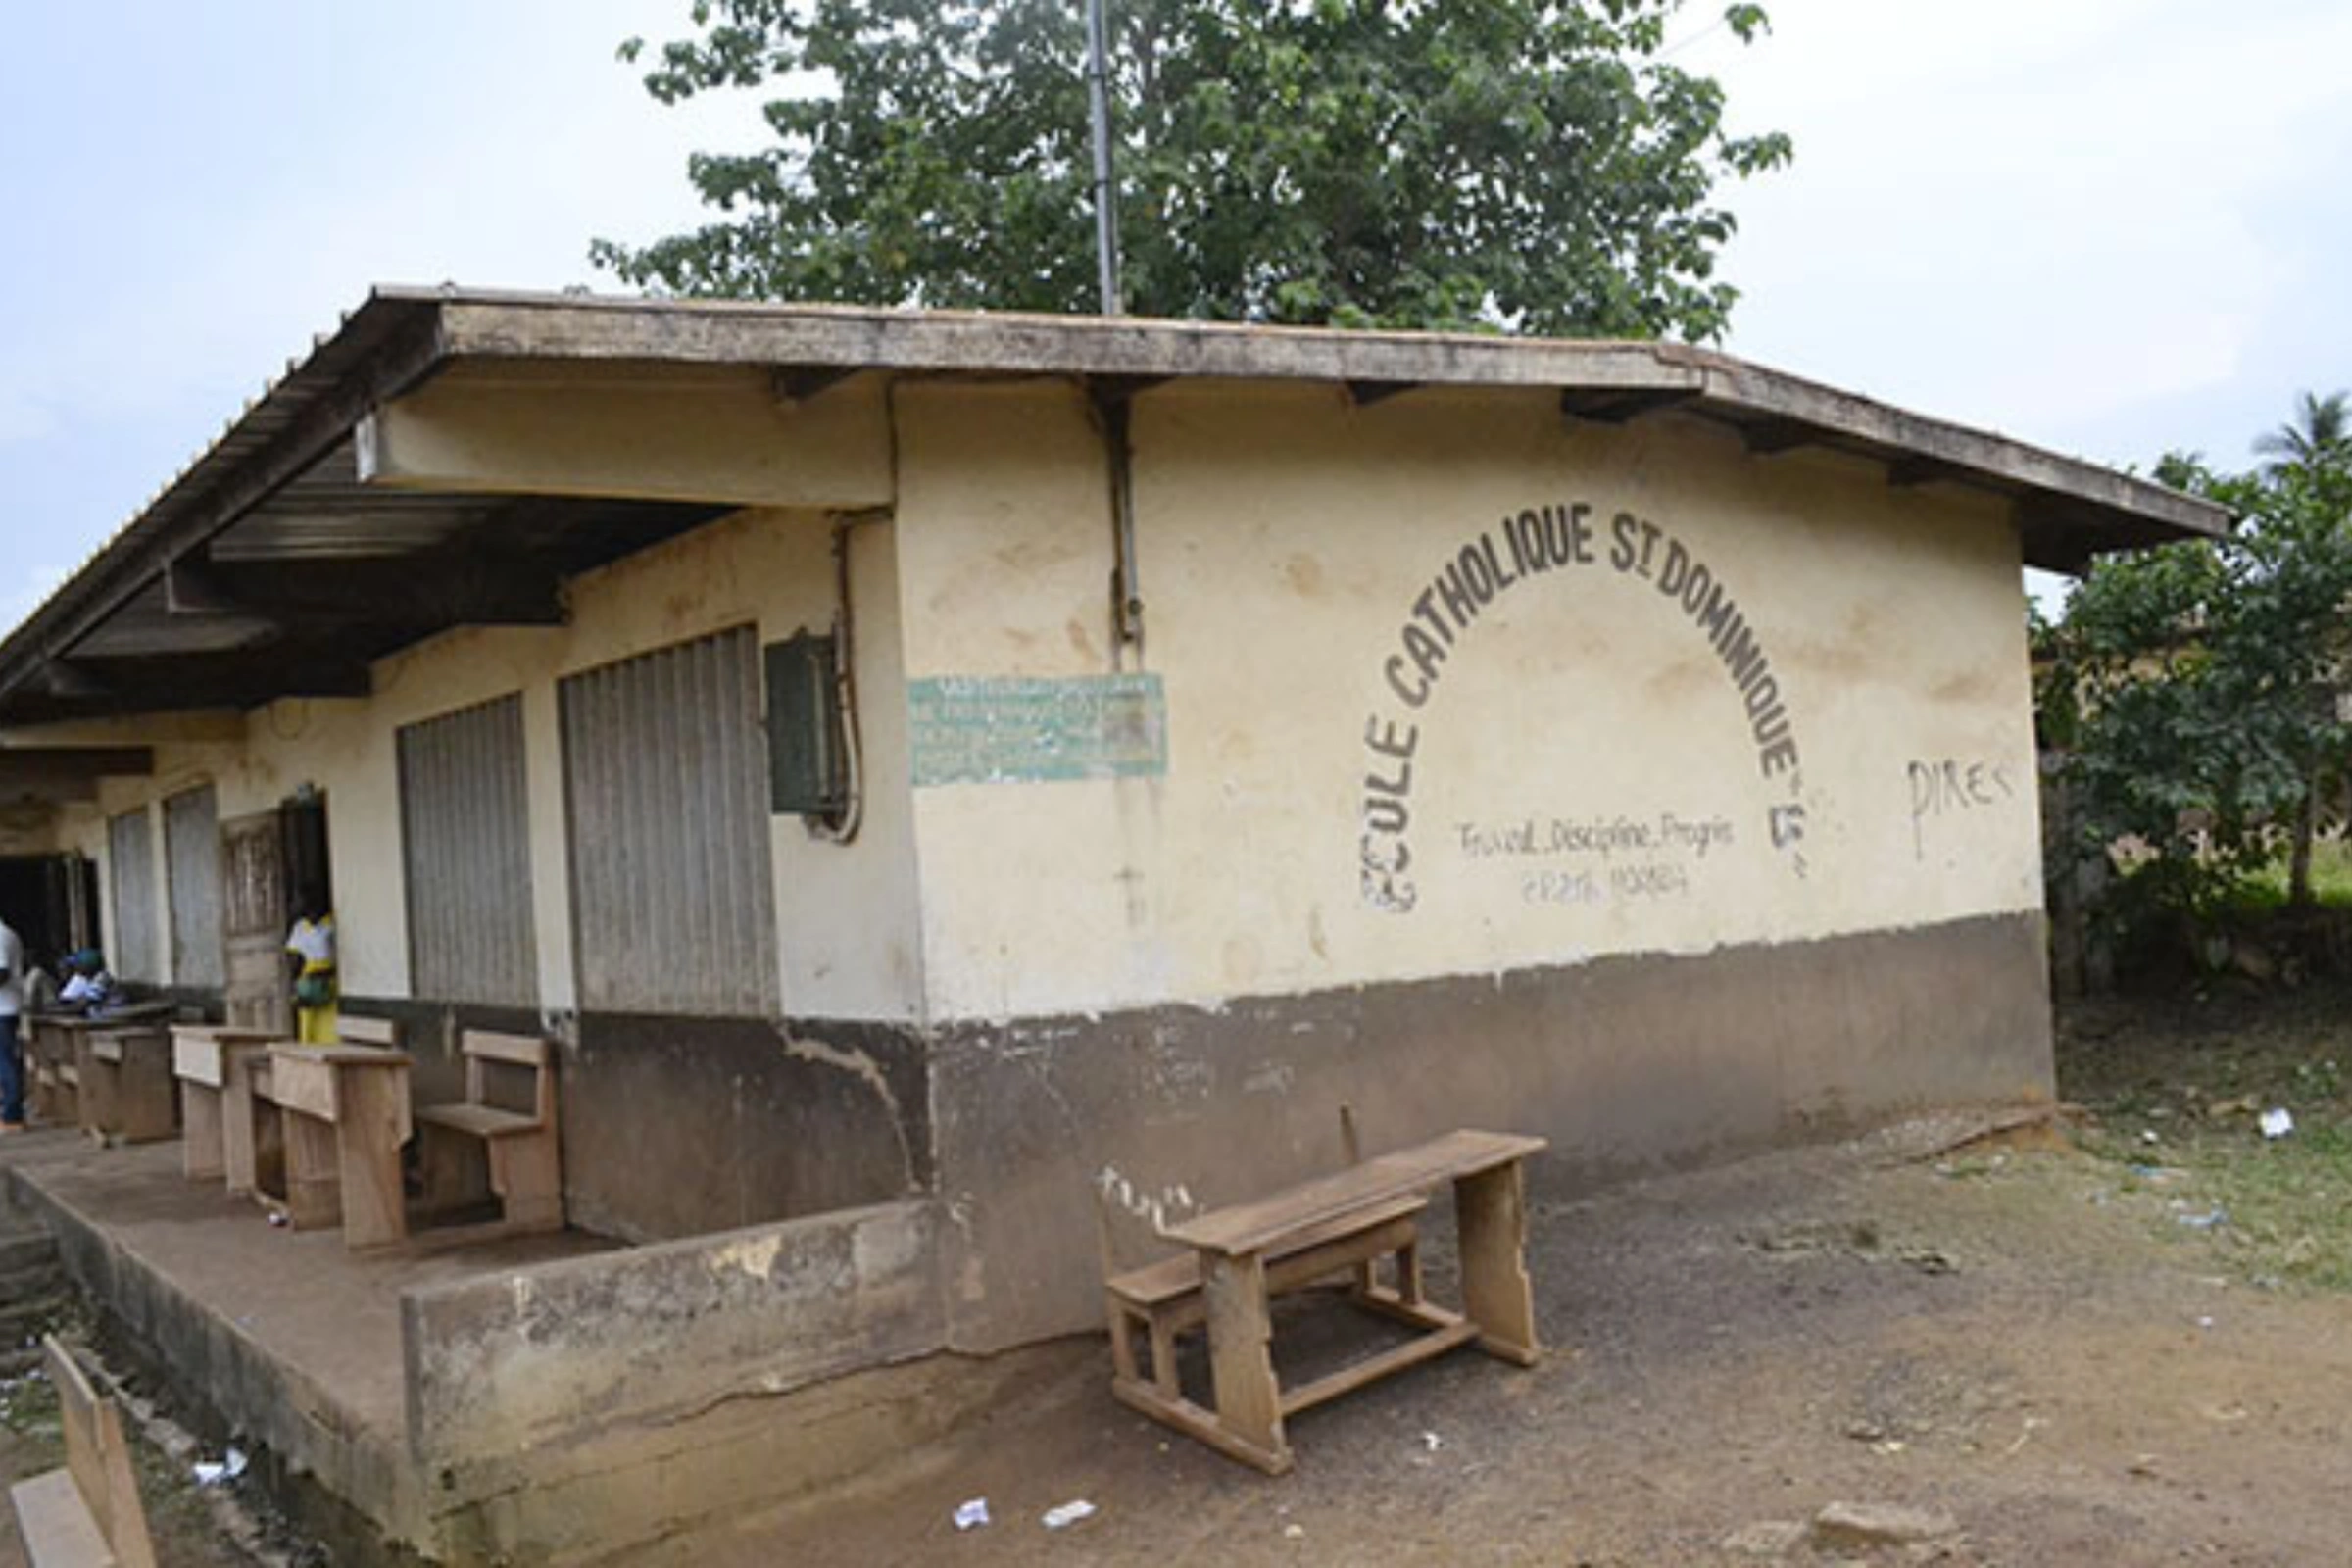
[(32, 1287), (25, 1247), (22, 1323)]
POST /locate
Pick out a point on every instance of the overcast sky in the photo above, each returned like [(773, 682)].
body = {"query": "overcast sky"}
[(2107, 226)]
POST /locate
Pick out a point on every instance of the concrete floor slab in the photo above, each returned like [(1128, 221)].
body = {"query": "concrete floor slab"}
[(321, 1320)]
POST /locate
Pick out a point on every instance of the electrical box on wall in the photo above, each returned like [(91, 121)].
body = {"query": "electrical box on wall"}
[(807, 757)]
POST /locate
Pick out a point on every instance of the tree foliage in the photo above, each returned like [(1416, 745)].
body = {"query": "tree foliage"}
[(1531, 164), (2199, 691)]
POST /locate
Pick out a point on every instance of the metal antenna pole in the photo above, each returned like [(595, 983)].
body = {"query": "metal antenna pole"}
[(1106, 215)]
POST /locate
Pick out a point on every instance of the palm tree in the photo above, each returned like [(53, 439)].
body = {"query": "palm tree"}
[(2320, 431), (2314, 446)]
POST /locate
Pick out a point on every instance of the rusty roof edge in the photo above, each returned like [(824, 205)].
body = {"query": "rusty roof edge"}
[(400, 333), (137, 551), (620, 328), (1986, 452)]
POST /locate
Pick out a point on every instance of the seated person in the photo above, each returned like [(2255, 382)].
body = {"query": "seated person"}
[(87, 986)]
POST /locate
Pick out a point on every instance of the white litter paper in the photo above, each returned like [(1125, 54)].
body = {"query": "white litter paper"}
[(2276, 1123), (1068, 1514), (231, 1466), (971, 1515)]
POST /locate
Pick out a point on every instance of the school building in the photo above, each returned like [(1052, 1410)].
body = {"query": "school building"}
[(927, 772)]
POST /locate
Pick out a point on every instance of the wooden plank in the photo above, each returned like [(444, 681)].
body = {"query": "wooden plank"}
[(1381, 1302), (368, 1140), (523, 1050), (303, 1079), (93, 1087), (241, 1113), (200, 1145), (380, 1033), (1490, 1209), (314, 1199), (527, 1174), (98, 1459), (1174, 1276), (477, 1121), (1329, 1256), (1372, 1369), (200, 1052), (146, 1107), (56, 1524), (1193, 1421), (1248, 1227), (78, 1415), (1240, 1358)]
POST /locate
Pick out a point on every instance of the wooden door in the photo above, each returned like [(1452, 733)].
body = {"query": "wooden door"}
[(253, 909)]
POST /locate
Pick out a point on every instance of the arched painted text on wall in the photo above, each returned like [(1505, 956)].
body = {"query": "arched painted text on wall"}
[(1566, 540)]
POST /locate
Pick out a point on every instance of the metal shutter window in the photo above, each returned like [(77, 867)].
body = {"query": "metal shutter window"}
[(666, 777), (464, 822), (192, 862), (130, 860)]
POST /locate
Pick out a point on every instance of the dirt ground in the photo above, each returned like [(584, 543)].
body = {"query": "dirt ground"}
[(2039, 1344), (2052, 1344)]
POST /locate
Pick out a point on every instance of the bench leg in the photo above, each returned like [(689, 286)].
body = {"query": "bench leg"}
[(313, 1173), (527, 1174), (240, 1154), (367, 1158), (1241, 1362), (200, 1140), (1490, 1209), (1122, 1339), (455, 1169), (1163, 1356)]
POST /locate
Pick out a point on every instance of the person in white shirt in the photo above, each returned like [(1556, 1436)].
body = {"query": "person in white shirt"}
[(12, 1006), (310, 956)]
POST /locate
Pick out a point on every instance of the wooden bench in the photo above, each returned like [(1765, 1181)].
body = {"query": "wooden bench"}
[(254, 1129), (124, 1083), (56, 1081), (502, 1138), (53, 1055), (1248, 1254), (205, 1059), (353, 1031), (343, 1113), (1165, 1299), (88, 1514)]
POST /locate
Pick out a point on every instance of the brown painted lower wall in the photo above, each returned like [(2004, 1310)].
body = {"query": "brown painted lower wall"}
[(1621, 1063), (678, 1127)]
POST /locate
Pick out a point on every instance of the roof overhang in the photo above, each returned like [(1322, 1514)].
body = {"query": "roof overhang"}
[(282, 563), (53, 776)]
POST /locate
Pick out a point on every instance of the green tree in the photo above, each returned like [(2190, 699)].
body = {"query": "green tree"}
[(2199, 691), (2319, 436), (1524, 165)]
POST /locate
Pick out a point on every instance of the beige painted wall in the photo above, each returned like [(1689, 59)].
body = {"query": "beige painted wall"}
[(846, 932), (28, 828), (1285, 536)]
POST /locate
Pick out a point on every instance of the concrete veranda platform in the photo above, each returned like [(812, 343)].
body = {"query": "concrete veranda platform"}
[(547, 1399), (286, 1338)]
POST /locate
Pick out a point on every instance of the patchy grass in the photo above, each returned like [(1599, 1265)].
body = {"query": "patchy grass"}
[(2178, 1087), (28, 1412), (2331, 879)]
